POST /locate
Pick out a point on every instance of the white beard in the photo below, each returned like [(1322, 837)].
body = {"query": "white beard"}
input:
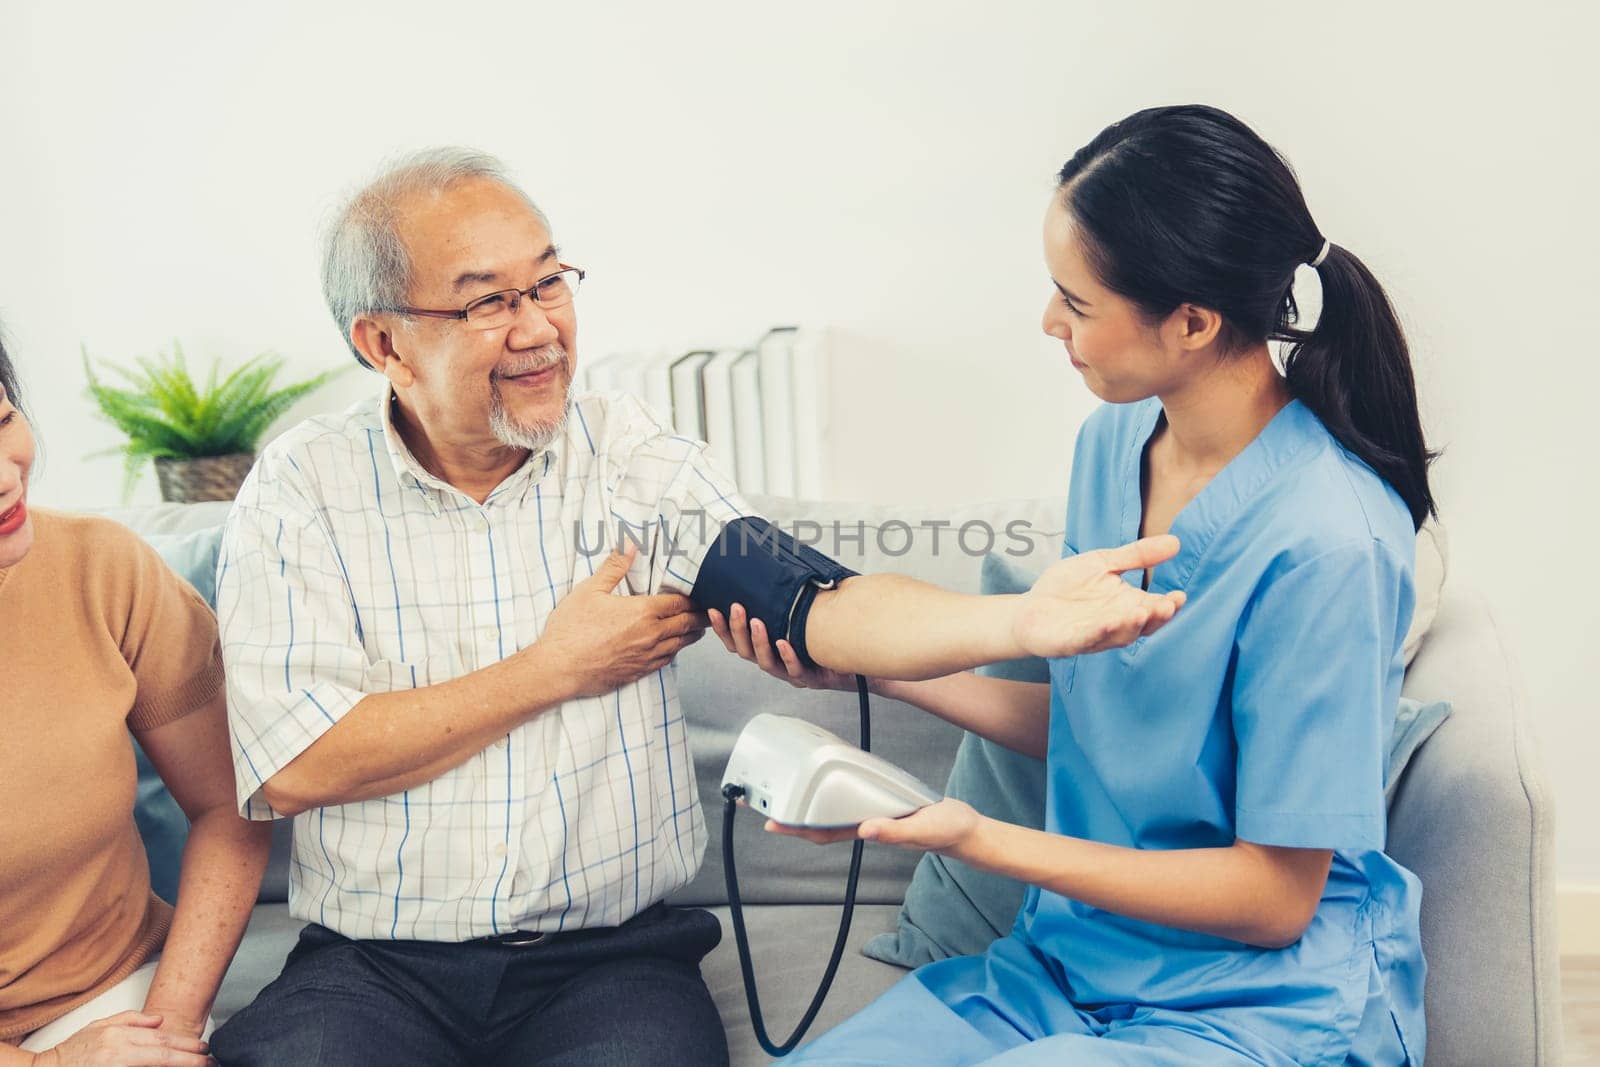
[(536, 435), (533, 436)]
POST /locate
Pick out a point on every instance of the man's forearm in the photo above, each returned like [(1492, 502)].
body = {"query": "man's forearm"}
[(891, 626), (390, 742)]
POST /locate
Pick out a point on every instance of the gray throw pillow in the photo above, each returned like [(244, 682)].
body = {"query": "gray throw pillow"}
[(1414, 723), (954, 910)]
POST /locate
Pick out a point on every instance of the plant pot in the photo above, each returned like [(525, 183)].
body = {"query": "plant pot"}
[(188, 481)]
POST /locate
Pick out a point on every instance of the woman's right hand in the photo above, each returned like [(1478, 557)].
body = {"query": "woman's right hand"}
[(127, 1039), (747, 638)]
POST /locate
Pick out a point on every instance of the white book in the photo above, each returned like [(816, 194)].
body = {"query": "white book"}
[(716, 393), (598, 377), (811, 419), (777, 409), (657, 370), (628, 377), (749, 456), (688, 404)]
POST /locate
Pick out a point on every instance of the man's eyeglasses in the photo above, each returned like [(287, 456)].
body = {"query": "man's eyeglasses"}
[(500, 308)]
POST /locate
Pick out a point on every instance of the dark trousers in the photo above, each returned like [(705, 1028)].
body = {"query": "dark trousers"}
[(616, 996)]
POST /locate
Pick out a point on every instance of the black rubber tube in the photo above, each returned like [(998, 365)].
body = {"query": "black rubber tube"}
[(730, 795)]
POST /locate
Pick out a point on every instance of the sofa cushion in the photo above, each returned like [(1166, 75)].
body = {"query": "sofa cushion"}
[(267, 941), (171, 518)]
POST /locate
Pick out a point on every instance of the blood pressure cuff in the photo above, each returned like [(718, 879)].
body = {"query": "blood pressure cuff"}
[(776, 578)]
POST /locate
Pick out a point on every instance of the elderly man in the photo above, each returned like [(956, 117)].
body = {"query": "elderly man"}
[(468, 712)]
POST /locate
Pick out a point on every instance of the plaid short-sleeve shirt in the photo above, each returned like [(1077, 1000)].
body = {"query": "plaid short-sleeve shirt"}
[(347, 569)]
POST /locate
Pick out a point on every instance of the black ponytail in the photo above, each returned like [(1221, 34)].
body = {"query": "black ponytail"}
[(1187, 204), (1354, 371)]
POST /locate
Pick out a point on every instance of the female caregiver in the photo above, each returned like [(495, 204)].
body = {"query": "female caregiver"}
[(1211, 886), (100, 639)]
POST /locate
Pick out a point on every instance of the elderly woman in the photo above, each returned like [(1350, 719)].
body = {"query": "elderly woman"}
[(100, 640)]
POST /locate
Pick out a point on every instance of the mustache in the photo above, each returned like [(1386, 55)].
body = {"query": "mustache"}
[(537, 360)]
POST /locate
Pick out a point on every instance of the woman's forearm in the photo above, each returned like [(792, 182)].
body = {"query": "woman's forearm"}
[(223, 862), (891, 626), (1013, 714), (1262, 897)]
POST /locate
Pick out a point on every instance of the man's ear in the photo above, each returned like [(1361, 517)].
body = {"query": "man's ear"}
[(1191, 327), (376, 346)]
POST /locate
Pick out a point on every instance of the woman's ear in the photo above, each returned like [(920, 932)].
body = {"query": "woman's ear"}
[(376, 346), (1191, 328)]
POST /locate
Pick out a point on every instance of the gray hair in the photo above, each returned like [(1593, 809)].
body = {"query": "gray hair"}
[(365, 266)]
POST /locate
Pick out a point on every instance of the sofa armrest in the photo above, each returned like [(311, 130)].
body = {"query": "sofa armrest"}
[(1472, 819)]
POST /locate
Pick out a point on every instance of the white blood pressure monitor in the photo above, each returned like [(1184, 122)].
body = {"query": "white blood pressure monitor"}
[(801, 775)]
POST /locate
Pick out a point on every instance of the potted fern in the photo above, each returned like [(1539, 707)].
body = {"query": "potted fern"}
[(202, 440)]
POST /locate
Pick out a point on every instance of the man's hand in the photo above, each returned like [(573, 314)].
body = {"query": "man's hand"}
[(1081, 604), (601, 642), (128, 1039)]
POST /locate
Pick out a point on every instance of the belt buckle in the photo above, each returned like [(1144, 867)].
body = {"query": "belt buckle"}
[(523, 938)]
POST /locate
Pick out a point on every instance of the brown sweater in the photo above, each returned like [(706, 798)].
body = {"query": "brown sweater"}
[(97, 637)]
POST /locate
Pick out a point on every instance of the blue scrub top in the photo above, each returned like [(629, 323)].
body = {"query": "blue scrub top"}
[(1262, 713)]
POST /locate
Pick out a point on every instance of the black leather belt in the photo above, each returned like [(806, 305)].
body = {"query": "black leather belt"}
[(529, 938)]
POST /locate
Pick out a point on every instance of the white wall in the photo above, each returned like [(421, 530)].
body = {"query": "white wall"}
[(878, 167)]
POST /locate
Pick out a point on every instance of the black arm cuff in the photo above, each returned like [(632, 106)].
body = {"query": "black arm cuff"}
[(775, 577)]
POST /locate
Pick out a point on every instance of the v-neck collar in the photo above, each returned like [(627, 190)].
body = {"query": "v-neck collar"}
[(1221, 499)]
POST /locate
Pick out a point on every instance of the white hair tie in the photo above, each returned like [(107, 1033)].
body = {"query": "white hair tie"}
[(1322, 255)]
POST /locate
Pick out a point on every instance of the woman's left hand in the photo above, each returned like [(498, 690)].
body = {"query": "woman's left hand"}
[(936, 828), (747, 638), (1081, 604)]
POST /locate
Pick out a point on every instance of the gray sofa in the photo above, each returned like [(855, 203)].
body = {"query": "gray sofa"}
[(1471, 816)]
